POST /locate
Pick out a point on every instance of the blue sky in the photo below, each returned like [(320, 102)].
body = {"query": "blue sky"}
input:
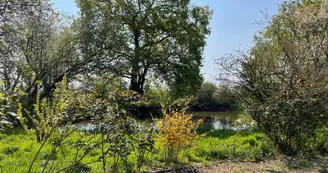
[(232, 26)]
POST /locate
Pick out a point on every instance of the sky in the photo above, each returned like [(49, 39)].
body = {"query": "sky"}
[(232, 26)]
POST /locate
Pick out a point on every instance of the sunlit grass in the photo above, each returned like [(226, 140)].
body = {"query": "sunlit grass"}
[(19, 147)]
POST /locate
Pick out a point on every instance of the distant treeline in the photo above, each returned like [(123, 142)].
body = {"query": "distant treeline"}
[(216, 98), (209, 97)]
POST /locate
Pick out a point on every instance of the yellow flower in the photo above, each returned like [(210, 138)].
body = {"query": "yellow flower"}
[(200, 121)]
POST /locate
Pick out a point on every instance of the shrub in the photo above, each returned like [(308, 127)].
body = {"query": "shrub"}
[(49, 113), (121, 133), (284, 75), (176, 132)]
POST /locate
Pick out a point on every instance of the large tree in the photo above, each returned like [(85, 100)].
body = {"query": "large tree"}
[(165, 38), (37, 48), (285, 75)]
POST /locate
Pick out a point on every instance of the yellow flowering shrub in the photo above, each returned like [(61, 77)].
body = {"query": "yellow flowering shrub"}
[(176, 132)]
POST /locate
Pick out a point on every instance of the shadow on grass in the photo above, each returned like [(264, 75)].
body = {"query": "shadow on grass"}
[(14, 131)]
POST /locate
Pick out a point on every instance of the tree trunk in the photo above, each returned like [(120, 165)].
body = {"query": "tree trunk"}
[(136, 84), (138, 80)]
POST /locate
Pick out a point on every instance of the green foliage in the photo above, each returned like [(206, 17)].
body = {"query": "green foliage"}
[(58, 138), (38, 50), (207, 93), (165, 38), (156, 96), (284, 76), (213, 98), (50, 113), (122, 134), (222, 145), (216, 145)]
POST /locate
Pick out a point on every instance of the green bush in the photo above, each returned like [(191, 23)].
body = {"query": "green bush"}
[(284, 76)]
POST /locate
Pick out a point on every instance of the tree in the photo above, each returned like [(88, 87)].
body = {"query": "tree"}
[(165, 38), (12, 14), (218, 98), (11, 8), (285, 75), (38, 49), (207, 93)]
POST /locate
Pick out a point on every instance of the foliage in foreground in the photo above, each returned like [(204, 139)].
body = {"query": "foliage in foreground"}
[(116, 143), (56, 119), (18, 149)]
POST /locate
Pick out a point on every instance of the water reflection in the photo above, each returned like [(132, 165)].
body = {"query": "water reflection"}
[(211, 121), (218, 120)]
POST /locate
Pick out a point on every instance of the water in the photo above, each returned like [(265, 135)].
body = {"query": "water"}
[(211, 121), (218, 120)]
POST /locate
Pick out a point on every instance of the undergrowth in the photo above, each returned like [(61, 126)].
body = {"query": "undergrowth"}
[(18, 148)]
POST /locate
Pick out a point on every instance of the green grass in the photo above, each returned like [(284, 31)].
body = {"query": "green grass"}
[(226, 144), (19, 147)]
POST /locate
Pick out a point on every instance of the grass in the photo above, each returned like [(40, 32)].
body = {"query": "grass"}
[(19, 147), (232, 145)]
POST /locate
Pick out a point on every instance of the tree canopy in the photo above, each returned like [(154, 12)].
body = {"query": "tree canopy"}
[(139, 37), (109, 43)]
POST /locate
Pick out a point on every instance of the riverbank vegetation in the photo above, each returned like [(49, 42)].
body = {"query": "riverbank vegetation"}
[(114, 89)]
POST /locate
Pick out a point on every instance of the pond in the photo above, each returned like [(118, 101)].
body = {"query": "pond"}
[(218, 120), (211, 121)]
